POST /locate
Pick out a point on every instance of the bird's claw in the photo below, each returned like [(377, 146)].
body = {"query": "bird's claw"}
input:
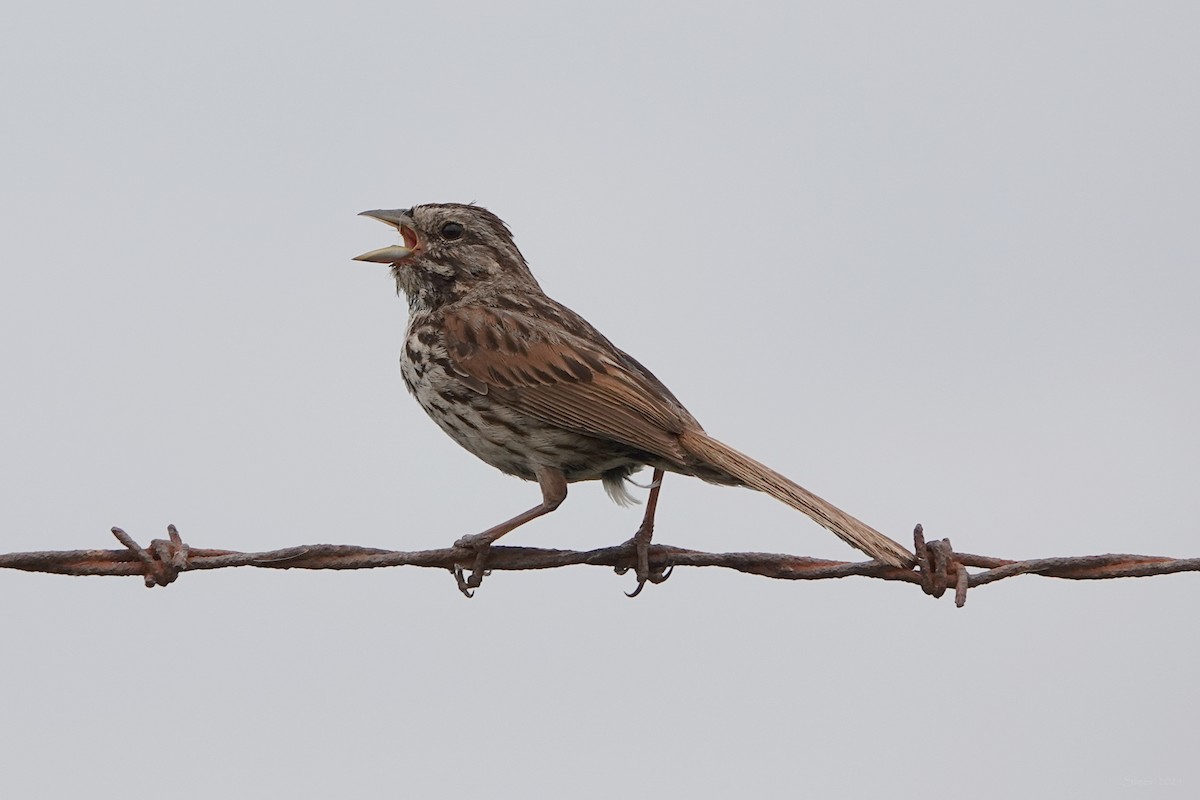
[(656, 577), (468, 583), (641, 543), (463, 585)]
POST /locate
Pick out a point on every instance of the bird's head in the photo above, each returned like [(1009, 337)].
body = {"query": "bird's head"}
[(449, 249)]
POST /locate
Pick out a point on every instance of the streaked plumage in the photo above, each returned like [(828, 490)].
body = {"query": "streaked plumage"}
[(531, 388)]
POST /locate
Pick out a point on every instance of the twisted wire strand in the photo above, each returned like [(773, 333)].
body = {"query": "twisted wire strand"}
[(937, 566)]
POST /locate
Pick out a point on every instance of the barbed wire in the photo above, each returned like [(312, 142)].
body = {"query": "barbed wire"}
[(937, 566)]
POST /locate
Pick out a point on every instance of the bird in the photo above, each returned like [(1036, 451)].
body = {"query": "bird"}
[(530, 387)]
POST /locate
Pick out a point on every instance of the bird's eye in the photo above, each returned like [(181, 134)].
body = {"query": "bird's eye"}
[(452, 230)]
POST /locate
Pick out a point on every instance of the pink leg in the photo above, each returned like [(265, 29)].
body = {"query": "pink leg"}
[(641, 540), (554, 491)]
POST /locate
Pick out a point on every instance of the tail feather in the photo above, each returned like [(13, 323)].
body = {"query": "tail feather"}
[(758, 476)]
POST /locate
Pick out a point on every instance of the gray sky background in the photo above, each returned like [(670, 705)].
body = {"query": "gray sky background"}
[(935, 261)]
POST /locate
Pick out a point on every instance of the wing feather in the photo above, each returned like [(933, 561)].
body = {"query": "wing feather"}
[(579, 383)]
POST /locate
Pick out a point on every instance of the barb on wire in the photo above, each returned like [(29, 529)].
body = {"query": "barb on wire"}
[(937, 566)]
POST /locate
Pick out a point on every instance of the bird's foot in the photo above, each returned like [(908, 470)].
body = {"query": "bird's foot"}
[(480, 545), (642, 571)]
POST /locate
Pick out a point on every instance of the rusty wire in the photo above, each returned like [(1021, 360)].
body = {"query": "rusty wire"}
[(937, 566)]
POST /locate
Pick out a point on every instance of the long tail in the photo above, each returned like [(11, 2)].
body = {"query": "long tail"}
[(758, 476)]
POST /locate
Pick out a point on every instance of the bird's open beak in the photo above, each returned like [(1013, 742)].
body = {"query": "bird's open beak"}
[(396, 253)]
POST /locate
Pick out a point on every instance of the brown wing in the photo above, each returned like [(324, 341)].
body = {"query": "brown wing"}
[(581, 384)]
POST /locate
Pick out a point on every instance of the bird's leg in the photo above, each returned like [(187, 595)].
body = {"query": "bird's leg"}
[(641, 540), (554, 491)]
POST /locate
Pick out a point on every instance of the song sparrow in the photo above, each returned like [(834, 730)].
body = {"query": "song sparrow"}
[(531, 388)]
